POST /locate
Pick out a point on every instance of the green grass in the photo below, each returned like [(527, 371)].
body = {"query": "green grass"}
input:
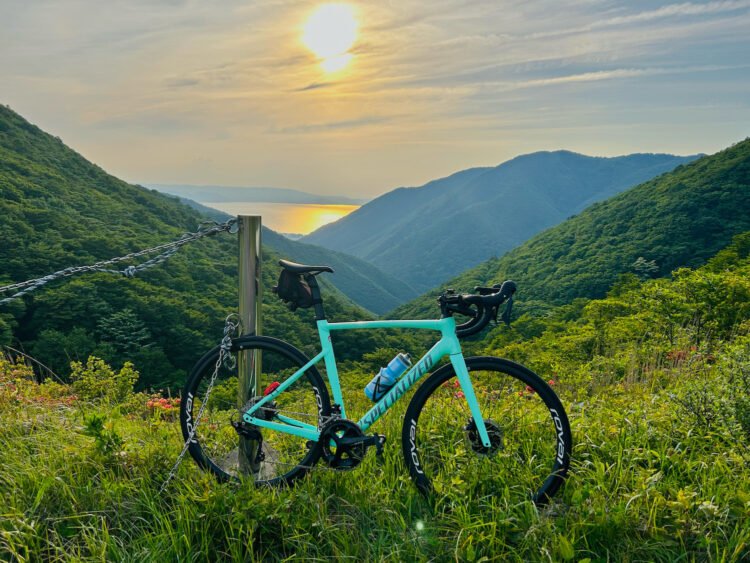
[(655, 379), (649, 482)]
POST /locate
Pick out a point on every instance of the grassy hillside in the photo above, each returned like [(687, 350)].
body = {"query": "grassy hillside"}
[(678, 219), (428, 234), (655, 377), (57, 210)]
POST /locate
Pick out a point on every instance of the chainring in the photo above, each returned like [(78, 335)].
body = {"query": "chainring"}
[(493, 431), (342, 444)]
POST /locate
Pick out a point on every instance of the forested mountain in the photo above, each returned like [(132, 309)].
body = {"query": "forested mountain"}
[(58, 210), (679, 219), (426, 235)]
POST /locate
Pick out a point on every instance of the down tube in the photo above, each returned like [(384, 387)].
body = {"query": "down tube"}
[(424, 365)]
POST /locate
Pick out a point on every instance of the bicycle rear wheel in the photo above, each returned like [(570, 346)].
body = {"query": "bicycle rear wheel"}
[(216, 443), (529, 433)]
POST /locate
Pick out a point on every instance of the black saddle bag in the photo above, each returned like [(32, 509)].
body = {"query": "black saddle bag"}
[(294, 290)]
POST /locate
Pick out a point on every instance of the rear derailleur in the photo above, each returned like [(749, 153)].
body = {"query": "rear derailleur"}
[(251, 432)]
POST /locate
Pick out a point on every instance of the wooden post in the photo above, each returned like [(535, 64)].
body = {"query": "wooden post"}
[(250, 294)]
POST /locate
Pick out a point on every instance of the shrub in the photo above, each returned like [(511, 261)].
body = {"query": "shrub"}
[(97, 381)]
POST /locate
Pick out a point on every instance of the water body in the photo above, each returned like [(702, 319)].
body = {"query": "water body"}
[(300, 218)]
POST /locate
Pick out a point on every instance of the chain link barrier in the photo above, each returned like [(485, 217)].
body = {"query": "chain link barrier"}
[(167, 250), (231, 325)]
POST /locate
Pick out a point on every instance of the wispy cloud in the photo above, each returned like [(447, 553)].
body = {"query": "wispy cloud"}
[(673, 10), (224, 92), (313, 86), (331, 125)]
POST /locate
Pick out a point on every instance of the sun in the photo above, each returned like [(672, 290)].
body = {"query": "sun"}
[(329, 33)]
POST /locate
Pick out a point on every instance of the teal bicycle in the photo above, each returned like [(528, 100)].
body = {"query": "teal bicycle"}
[(484, 422)]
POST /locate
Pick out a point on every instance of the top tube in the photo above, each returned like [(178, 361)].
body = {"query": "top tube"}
[(447, 324)]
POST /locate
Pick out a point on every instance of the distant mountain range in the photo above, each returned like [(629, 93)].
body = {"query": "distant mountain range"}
[(681, 218), (220, 194), (428, 234)]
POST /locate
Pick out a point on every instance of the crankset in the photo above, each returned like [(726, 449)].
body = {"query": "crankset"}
[(343, 445)]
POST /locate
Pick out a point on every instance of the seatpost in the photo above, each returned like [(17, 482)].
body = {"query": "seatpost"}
[(317, 300)]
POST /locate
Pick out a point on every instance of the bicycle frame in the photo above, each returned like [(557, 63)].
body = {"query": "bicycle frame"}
[(448, 345)]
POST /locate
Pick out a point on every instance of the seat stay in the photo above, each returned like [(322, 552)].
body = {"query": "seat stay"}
[(248, 416)]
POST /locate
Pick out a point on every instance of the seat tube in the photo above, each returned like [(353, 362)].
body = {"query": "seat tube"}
[(330, 362), (459, 366)]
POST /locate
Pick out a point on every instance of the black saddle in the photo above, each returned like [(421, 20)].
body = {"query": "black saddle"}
[(302, 269)]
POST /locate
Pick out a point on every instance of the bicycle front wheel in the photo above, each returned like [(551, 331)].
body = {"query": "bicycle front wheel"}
[(216, 445), (530, 438)]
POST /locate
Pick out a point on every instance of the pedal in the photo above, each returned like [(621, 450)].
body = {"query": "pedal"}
[(379, 443), (376, 440)]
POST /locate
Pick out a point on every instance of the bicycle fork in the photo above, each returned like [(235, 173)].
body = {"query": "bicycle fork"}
[(459, 366)]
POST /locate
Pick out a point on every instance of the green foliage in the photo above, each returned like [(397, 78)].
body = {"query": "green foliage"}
[(108, 442), (645, 269), (661, 462), (125, 332), (735, 370), (96, 381)]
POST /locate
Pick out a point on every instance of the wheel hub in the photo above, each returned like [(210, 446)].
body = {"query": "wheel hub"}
[(475, 441)]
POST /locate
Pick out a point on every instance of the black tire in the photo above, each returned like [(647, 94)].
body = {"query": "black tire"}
[(215, 445), (531, 435)]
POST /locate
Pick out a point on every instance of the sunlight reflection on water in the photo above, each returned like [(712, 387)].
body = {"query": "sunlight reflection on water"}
[(300, 218)]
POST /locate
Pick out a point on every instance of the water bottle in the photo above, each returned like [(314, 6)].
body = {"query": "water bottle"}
[(387, 377)]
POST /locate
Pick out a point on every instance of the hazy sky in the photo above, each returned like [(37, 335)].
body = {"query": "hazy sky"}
[(224, 91)]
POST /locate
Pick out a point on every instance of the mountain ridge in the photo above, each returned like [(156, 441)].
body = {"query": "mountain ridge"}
[(217, 194), (426, 234), (680, 218)]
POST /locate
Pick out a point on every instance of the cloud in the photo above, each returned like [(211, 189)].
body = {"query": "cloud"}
[(182, 82), (219, 78), (331, 125), (672, 10), (313, 86)]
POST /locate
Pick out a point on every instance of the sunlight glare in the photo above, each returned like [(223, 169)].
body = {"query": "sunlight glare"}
[(336, 63), (329, 33)]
